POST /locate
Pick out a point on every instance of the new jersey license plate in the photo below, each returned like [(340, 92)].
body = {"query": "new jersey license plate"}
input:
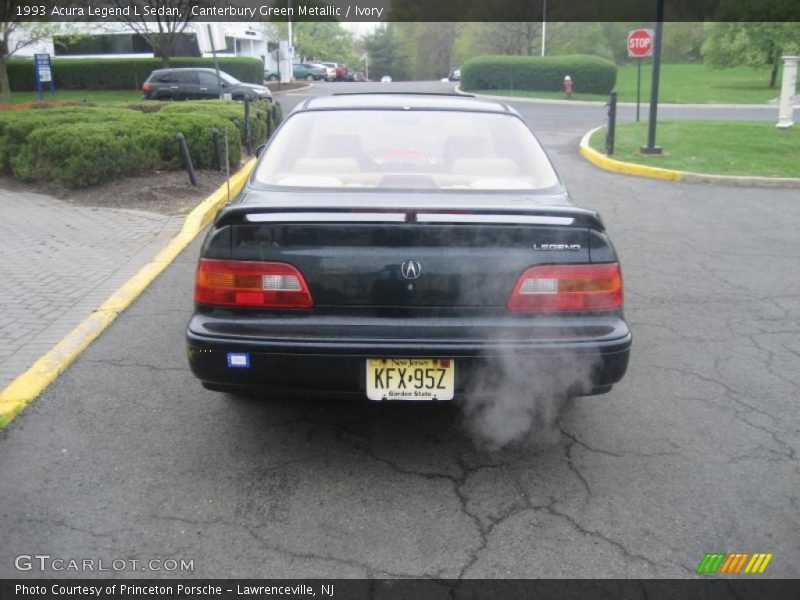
[(410, 379)]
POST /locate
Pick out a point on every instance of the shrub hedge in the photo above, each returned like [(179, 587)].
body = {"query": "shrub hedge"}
[(590, 74), (123, 73), (83, 146), (232, 111)]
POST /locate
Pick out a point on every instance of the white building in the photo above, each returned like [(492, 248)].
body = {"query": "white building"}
[(117, 40)]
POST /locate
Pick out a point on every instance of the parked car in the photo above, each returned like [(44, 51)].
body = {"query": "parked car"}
[(308, 71), (455, 74), (344, 73), (330, 72), (407, 247), (334, 66), (197, 84), (386, 79)]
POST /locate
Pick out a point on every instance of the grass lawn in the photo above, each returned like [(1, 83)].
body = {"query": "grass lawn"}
[(96, 96), (718, 147), (681, 84)]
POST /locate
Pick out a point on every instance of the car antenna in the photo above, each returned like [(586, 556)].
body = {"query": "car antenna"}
[(227, 168)]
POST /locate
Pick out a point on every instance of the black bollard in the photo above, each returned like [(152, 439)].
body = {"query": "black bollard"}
[(247, 144), (217, 149), (187, 160), (612, 123)]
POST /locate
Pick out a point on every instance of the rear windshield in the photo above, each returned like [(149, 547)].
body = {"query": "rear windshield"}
[(447, 150)]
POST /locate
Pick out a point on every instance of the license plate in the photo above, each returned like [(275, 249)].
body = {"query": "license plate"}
[(410, 378)]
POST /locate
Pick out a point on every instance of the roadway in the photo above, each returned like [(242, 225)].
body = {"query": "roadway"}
[(695, 451)]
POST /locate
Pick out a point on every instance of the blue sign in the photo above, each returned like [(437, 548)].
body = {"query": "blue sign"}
[(43, 71)]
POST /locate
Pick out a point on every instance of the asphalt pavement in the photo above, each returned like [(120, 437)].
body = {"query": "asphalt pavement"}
[(126, 457)]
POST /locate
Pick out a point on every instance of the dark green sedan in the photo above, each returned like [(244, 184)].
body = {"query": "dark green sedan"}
[(299, 71)]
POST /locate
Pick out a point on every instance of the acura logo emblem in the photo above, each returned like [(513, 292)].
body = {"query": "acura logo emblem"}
[(410, 269)]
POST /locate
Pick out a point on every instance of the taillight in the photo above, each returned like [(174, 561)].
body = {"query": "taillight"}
[(250, 283), (568, 288), (146, 87)]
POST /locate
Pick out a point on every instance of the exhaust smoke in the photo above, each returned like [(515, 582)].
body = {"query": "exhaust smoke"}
[(514, 399)]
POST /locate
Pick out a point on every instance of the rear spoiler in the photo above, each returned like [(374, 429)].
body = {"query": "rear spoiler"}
[(566, 216)]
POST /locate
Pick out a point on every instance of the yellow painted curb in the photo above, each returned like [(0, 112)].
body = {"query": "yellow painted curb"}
[(618, 166), (609, 164), (27, 386)]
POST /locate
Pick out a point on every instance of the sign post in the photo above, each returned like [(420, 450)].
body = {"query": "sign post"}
[(286, 52), (43, 72), (640, 44), (210, 37)]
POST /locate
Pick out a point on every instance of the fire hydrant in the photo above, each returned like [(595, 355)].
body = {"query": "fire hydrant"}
[(568, 86)]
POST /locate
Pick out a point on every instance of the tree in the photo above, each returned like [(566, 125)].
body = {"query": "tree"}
[(390, 52), (577, 38), (164, 32), (15, 34), (432, 45), (681, 42), (498, 38), (317, 40), (324, 40), (757, 44)]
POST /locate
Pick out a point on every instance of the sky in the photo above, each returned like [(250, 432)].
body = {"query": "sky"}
[(361, 29)]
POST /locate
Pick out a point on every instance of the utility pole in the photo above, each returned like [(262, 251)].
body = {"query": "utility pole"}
[(544, 26), (216, 62), (291, 43)]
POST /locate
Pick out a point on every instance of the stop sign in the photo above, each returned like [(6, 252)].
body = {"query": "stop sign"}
[(640, 43)]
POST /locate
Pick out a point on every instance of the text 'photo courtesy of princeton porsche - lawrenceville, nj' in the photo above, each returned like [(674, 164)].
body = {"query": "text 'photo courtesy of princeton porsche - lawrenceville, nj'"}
[(397, 299)]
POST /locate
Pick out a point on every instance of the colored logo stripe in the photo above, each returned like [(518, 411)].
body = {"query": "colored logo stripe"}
[(758, 563), (710, 563), (719, 562), (734, 563)]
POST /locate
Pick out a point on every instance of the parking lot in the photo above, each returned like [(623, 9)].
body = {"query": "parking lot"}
[(695, 451)]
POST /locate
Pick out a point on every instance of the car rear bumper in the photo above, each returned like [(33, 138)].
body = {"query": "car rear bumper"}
[(324, 363)]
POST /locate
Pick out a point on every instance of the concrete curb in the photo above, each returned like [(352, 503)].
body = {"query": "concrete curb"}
[(461, 92), (618, 166), (27, 386), (600, 103), (293, 90)]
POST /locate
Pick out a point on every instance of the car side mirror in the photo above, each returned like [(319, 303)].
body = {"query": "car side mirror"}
[(260, 149)]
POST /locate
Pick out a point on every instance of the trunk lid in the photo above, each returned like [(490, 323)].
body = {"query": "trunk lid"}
[(406, 258)]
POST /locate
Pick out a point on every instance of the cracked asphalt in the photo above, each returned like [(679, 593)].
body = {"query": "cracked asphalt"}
[(695, 451)]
